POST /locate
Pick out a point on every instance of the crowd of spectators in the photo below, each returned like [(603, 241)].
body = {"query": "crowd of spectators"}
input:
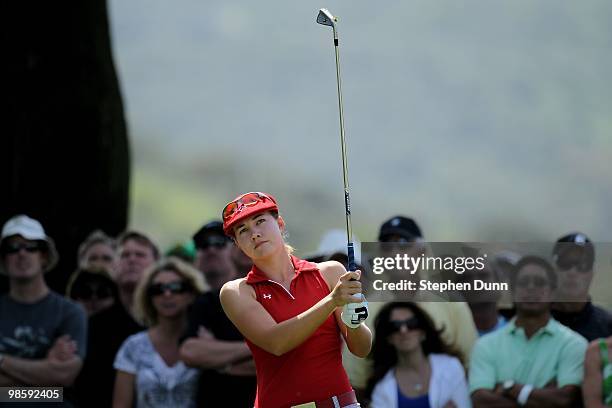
[(136, 327)]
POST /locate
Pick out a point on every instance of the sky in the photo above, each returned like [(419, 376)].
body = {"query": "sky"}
[(483, 120)]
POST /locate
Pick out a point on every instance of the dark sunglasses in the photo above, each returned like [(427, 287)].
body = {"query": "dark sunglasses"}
[(245, 200), (411, 324), (214, 241), (87, 292), (536, 281), (172, 287), (581, 265), (13, 248), (96, 258)]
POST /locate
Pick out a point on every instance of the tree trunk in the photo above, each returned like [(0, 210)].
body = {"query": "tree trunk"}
[(64, 155)]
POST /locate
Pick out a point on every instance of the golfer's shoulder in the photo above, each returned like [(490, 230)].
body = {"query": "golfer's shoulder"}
[(331, 271), (236, 289)]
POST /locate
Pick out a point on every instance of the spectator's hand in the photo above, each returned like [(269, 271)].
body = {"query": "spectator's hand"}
[(203, 333), (63, 349), (450, 404)]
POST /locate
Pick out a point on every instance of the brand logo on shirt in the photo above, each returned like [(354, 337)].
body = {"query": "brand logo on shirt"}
[(267, 296)]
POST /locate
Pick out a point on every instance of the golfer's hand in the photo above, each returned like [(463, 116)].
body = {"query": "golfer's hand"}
[(345, 289), (353, 314)]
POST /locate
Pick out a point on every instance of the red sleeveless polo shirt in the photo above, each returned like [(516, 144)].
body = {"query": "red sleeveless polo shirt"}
[(312, 371)]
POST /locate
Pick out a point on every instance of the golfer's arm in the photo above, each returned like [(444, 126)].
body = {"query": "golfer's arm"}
[(359, 340), (256, 324)]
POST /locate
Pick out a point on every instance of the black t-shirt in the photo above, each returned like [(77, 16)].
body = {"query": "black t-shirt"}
[(216, 389), (28, 330), (592, 322), (107, 331)]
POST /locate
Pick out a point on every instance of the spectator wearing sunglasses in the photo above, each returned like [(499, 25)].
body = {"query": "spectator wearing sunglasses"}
[(413, 366), (93, 289), (98, 251), (96, 292), (42, 334), (290, 312), (534, 360), (109, 328), (149, 372), (574, 257), (212, 342), (213, 254)]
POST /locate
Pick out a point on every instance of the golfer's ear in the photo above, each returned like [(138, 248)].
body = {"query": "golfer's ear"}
[(281, 223)]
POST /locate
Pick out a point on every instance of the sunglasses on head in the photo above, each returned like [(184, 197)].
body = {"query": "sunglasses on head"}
[(411, 324), (242, 202), (173, 287), (87, 292), (537, 281), (13, 248)]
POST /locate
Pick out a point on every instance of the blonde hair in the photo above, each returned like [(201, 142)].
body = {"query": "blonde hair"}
[(96, 237), (144, 310)]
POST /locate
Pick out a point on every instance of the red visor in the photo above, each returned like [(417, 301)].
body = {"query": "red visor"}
[(245, 206)]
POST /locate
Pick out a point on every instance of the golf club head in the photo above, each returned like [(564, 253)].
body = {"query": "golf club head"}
[(326, 18)]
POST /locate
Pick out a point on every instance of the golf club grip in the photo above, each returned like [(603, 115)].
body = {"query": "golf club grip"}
[(351, 257), (350, 250)]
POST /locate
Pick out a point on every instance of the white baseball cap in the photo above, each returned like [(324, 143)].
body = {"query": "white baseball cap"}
[(334, 242), (31, 230)]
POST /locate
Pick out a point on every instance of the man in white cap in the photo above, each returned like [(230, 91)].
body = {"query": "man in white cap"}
[(42, 334)]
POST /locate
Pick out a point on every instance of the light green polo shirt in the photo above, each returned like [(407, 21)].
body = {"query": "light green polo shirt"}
[(553, 352)]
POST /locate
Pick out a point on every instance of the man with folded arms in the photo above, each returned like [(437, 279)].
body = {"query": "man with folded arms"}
[(42, 334), (533, 361)]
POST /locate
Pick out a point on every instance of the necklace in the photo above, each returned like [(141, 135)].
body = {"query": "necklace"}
[(415, 380)]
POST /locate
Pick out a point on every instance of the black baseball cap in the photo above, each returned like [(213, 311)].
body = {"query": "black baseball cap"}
[(399, 225), (572, 241), (213, 228)]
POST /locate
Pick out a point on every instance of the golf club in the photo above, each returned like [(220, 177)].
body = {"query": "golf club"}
[(326, 18), (351, 315)]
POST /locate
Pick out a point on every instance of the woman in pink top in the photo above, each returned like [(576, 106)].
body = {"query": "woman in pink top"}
[(289, 312)]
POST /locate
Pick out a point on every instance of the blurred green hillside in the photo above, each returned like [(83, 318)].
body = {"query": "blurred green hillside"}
[(483, 120)]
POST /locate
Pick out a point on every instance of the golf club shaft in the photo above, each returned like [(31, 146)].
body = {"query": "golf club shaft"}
[(347, 198)]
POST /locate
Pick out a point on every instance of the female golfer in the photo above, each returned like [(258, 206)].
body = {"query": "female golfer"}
[(289, 311)]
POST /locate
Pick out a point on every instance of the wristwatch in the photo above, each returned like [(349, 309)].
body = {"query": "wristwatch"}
[(507, 386), (524, 394)]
